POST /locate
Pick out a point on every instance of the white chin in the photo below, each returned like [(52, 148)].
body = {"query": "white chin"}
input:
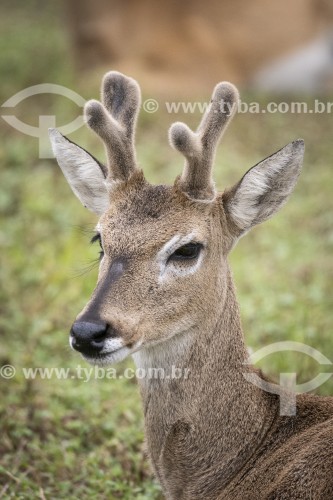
[(108, 358)]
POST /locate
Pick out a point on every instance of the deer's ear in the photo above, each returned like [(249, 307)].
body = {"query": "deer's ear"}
[(264, 189), (85, 175)]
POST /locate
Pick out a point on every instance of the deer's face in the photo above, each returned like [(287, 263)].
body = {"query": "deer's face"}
[(163, 264), (160, 269)]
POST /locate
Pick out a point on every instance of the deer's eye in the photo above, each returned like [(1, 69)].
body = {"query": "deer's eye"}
[(97, 237), (190, 251)]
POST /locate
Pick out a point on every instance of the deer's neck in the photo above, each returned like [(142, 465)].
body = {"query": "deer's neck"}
[(204, 396)]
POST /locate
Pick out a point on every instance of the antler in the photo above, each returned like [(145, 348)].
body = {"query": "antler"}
[(114, 121), (199, 147)]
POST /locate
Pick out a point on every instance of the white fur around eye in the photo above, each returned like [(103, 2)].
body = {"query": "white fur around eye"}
[(169, 269)]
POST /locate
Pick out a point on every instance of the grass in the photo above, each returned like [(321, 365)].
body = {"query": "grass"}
[(69, 439)]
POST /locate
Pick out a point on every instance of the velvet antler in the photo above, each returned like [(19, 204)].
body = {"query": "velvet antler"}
[(114, 121), (199, 147)]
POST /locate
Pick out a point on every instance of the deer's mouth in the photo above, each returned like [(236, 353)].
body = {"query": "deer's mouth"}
[(107, 358)]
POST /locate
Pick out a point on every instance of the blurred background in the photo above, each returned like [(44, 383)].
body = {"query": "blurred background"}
[(72, 439)]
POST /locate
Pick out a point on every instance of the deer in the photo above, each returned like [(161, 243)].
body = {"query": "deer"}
[(165, 296)]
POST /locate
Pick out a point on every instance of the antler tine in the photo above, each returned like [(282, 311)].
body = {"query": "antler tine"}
[(114, 121), (199, 147)]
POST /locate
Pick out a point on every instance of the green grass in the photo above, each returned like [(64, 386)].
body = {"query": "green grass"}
[(69, 439)]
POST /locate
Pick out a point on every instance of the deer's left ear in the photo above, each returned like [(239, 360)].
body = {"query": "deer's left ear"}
[(85, 175), (264, 189)]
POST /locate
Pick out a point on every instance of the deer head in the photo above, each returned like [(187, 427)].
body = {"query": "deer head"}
[(163, 268)]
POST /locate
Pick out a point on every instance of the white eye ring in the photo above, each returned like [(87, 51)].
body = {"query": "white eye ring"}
[(169, 267)]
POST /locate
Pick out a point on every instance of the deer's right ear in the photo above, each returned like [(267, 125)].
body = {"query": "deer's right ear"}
[(85, 175), (264, 189)]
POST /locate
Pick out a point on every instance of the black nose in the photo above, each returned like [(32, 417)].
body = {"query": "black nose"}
[(88, 338)]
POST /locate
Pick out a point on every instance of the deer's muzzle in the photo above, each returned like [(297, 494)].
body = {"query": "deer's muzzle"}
[(89, 338)]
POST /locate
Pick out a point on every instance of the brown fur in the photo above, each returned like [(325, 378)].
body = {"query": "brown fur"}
[(212, 434)]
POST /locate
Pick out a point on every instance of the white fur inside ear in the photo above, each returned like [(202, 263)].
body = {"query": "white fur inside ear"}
[(243, 208), (82, 172), (266, 187)]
